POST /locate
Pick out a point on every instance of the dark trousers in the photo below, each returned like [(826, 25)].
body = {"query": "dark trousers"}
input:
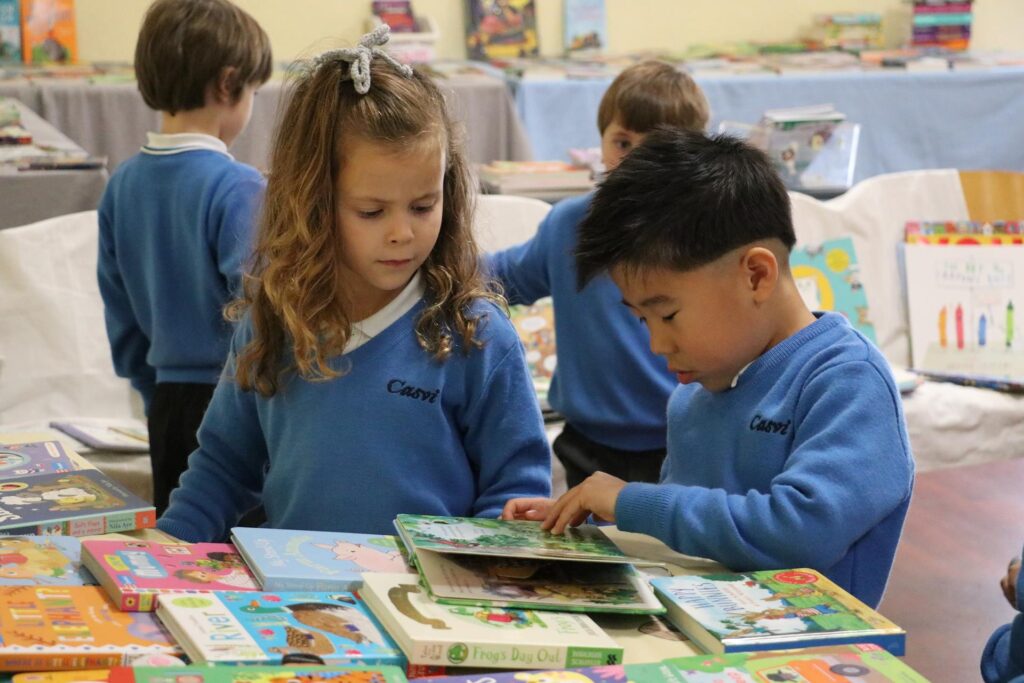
[(581, 457), (174, 416)]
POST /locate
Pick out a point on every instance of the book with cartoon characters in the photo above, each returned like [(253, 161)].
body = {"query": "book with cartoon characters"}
[(535, 325), (288, 560), (501, 29), (48, 33), (136, 573), (42, 561), (770, 610), (458, 635), (34, 457), (253, 674), (261, 628), (79, 503), (46, 628), (828, 278)]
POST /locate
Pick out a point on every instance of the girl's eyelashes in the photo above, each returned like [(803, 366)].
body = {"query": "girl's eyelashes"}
[(369, 214), (668, 318)]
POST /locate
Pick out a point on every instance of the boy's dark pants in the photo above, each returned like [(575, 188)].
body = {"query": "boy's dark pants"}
[(175, 413), (581, 457)]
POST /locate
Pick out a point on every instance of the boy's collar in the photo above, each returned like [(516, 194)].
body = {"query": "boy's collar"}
[(162, 144)]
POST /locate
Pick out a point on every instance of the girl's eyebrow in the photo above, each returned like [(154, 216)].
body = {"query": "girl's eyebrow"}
[(381, 200)]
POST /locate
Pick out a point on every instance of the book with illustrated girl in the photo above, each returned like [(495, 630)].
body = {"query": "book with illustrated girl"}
[(431, 633), (489, 562), (45, 628), (42, 561), (262, 628), (288, 560), (80, 503), (136, 573), (771, 610), (35, 457)]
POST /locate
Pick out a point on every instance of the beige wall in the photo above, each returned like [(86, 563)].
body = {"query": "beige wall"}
[(107, 28)]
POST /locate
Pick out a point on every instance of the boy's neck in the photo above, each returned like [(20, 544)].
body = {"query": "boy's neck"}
[(791, 313), (203, 120)]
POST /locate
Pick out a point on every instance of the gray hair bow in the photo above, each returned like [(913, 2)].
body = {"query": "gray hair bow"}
[(359, 58)]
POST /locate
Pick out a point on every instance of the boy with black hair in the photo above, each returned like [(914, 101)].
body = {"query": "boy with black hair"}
[(611, 390), (176, 219), (786, 440)]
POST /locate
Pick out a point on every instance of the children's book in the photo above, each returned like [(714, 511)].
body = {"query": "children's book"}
[(828, 278), (252, 674), (961, 302), (287, 560), (72, 627), (10, 32), (119, 438), (431, 633), (536, 327), (500, 29), (37, 457), (80, 503), (48, 34), (261, 628), (585, 27), (649, 672), (964, 232), (136, 573), (42, 561), (645, 638), (524, 177), (770, 610), (470, 561)]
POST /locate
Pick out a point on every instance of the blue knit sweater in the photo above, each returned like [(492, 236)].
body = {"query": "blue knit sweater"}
[(804, 463)]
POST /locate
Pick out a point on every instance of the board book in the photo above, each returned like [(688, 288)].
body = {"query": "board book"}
[(770, 610), (42, 561), (472, 561), (261, 628), (253, 674), (72, 627), (828, 279), (431, 633), (287, 560), (136, 573), (80, 503), (35, 457), (535, 325), (118, 438)]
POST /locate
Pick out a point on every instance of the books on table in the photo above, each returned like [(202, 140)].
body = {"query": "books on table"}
[(261, 628), (431, 633), (251, 674), (287, 560), (472, 561), (127, 437), (80, 503), (42, 561), (526, 177), (34, 457), (136, 573), (72, 627), (771, 610)]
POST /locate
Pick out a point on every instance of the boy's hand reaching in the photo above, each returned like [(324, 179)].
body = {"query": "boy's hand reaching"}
[(596, 495), (533, 509), (1009, 582)]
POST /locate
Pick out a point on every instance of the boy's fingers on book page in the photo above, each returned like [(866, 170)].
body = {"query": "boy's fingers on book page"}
[(532, 509)]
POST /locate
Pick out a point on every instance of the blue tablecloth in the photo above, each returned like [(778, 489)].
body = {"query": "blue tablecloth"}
[(958, 119)]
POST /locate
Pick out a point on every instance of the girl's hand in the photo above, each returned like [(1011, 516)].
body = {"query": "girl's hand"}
[(597, 495), (1009, 582), (532, 509)]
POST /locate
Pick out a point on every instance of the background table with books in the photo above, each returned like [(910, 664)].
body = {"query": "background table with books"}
[(30, 196), (109, 118), (954, 119)]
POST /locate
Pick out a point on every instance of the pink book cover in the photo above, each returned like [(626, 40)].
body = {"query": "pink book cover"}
[(134, 573)]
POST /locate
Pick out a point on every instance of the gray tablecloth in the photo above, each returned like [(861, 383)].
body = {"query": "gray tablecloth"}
[(30, 196), (110, 119)]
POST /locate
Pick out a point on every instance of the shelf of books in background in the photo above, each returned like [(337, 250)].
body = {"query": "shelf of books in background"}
[(813, 148), (48, 33), (965, 281), (585, 28), (941, 24), (501, 29), (413, 37)]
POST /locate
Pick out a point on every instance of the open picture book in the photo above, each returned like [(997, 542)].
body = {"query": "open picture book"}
[(499, 563)]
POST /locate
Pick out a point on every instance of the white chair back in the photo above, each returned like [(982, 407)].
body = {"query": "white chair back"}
[(505, 220)]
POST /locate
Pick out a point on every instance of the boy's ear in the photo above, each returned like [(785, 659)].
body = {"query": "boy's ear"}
[(760, 272), (227, 83)]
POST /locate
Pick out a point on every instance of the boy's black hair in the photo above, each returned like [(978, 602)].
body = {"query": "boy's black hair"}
[(679, 201)]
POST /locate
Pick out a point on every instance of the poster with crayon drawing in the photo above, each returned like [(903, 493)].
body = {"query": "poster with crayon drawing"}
[(962, 303)]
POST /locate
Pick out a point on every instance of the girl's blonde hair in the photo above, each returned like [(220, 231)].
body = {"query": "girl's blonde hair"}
[(292, 291)]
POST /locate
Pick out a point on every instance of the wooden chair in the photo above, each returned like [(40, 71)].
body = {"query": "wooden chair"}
[(993, 195)]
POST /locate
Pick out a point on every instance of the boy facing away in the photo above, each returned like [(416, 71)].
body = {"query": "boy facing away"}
[(176, 219), (786, 440), (610, 388)]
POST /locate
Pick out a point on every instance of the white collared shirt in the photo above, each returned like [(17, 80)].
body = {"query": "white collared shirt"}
[(365, 330), (161, 144)]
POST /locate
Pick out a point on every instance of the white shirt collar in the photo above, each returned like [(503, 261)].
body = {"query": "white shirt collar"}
[(365, 330), (161, 144)]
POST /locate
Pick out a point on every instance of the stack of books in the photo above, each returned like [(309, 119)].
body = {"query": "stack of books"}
[(942, 24), (535, 178)]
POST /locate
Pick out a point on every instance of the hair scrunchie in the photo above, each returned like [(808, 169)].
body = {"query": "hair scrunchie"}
[(360, 56)]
